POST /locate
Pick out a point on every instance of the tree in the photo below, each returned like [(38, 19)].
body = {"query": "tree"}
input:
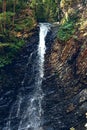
[(14, 9), (4, 13)]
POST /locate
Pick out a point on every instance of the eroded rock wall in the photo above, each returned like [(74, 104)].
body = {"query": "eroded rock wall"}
[(65, 83)]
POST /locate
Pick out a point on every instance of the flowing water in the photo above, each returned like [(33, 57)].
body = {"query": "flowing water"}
[(26, 113)]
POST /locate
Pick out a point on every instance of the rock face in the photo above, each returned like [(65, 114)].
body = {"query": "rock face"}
[(65, 83)]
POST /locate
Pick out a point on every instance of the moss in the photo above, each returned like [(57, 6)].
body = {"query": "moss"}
[(72, 128)]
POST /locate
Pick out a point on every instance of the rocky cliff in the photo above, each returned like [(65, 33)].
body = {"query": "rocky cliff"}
[(65, 80), (65, 83)]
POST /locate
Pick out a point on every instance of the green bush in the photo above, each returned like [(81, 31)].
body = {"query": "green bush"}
[(16, 46), (44, 10), (65, 31), (25, 24), (11, 49), (4, 60)]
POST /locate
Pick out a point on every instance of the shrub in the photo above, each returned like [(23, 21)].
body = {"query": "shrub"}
[(25, 24), (10, 50), (66, 30)]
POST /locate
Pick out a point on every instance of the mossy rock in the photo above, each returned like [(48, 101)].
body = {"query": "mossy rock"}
[(72, 128)]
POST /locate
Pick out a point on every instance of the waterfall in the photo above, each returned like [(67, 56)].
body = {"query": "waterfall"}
[(27, 110), (41, 48), (38, 95)]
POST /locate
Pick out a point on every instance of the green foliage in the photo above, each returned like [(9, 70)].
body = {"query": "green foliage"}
[(40, 13), (25, 24), (66, 31), (51, 10), (68, 26), (16, 46), (44, 10), (8, 51), (65, 3), (7, 18), (20, 4), (0, 5), (15, 19), (12, 9), (4, 60)]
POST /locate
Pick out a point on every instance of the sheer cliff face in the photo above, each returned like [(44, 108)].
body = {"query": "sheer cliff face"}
[(67, 62), (69, 59)]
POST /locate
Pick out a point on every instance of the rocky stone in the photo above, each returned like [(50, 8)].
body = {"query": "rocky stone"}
[(65, 103)]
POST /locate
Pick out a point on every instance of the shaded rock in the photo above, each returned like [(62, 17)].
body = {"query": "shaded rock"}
[(15, 78), (65, 100)]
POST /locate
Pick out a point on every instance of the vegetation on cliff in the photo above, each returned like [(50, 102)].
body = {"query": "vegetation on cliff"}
[(15, 21), (68, 59), (73, 12), (66, 62), (45, 10), (18, 17)]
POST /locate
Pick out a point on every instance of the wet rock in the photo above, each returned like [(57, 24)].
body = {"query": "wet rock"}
[(65, 100), (15, 78)]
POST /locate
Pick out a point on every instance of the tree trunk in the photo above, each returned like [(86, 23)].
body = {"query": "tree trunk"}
[(4, 14), (14, 11)]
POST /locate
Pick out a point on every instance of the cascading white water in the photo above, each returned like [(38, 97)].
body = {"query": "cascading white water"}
[(32, 114), (36, 100), (41, 49), (34, 110)]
